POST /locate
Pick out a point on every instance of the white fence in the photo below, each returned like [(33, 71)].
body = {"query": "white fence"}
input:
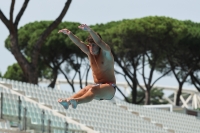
[(192, 101)]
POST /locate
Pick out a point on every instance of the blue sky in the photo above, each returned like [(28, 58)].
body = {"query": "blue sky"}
[(97, 11)]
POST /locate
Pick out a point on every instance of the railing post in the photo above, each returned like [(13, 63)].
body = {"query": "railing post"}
[(42, 119), (19, 108), (25, 119), (1, 105), (66, 127), (49, 126)]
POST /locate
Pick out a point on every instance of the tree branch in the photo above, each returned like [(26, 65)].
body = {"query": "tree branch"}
[(160, 77), (128, 81), (71, 84), (119, 73), (4, 19), (143, 76), (122, 94), (142, 88), (119, 63), (124, 77), (11, 11), (86, 76), (21, 12), (194, 81), (45, 34), (79, 73), (140, 99)]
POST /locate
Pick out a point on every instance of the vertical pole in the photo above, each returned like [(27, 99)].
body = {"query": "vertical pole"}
[(195, 101), (175, 95), (1, 105), (58, 85), (42, 119), (66, 127), (19, 108), (49, 126), (25, 120)]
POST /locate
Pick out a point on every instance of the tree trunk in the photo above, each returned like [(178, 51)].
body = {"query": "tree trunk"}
[(70, 83), (86, 77), (134, 92), (147, 97), (179, 94), (195, 81), (33, 75), (125, 98), (29, 70), (55, 75)]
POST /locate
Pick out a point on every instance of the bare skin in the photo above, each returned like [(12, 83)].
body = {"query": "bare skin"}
[(102, 65)]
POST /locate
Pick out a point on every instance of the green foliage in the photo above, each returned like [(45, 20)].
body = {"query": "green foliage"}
[(198, 109), (156, 97), (148, 30), (55, 49), (0, 74), (57, 43), (191, 42), (184, 95), (45, 72), (14, 72), (159, 36)]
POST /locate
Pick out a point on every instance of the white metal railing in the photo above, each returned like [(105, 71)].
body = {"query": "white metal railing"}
[(160, 106), (192, 101)]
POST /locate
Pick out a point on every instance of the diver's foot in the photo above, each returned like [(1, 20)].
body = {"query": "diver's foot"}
[(64, 102), (74, 103)]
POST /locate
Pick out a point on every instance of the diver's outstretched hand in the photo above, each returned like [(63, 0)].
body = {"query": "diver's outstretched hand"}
[(64, 31), (84, 27)]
